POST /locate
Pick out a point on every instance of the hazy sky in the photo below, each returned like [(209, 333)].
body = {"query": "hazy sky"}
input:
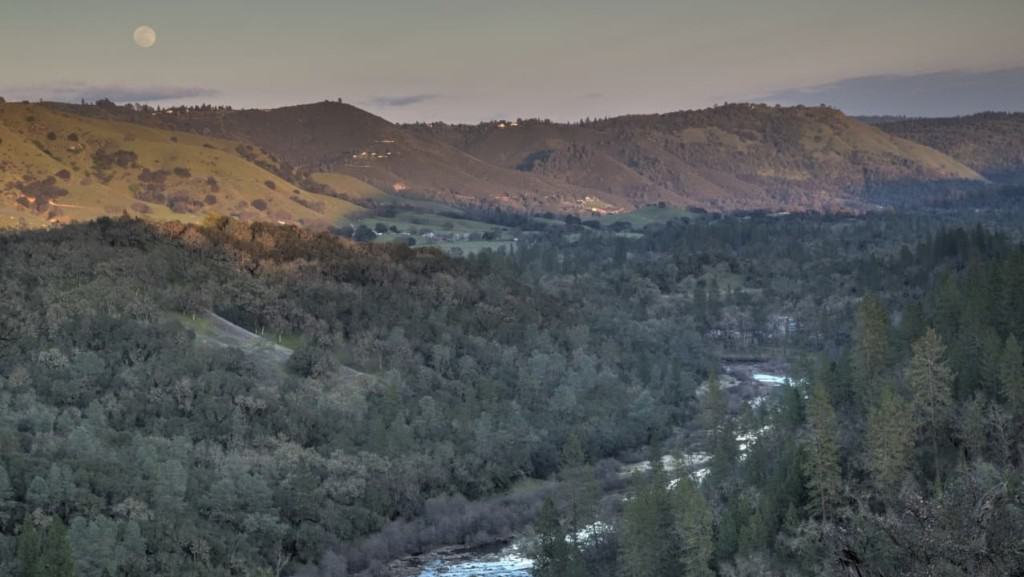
[(470, 60)]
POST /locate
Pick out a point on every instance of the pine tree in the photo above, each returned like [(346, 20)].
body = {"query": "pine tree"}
[(552, 553), (7, 503), (972, 427), (44, 553), (646, 537), (871, 350), (930, 382), (890, 441), (912, 325), (56, 559), (29, 551), (692, 523), (579, 485), (1011, 376), (821, 447), (990, 363), (718, 423)]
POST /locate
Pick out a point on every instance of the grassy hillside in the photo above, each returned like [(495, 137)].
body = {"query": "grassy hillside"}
[(58, 167), (731, 157), (990, 143), (332, 137)]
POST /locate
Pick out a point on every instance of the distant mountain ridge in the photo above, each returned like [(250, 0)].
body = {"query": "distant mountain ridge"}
[(992, 143), (333, 156)]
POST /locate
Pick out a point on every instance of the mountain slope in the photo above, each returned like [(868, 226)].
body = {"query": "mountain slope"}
[(336, 137), (57, 167), (730, 157), (991, 143), (733, 157)]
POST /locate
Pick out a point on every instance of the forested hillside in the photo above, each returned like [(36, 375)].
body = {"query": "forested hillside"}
[(134, 443), (897, 453), (991, 143), (164, 457)]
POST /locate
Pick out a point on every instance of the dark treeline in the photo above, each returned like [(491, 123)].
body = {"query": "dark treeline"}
[(135, 447)]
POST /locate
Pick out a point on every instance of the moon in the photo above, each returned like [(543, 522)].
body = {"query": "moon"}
[(144, 36)]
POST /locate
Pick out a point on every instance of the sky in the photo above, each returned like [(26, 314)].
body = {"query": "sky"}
[(475, 60)]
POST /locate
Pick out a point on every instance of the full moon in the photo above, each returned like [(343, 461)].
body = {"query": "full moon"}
[(144, 36)]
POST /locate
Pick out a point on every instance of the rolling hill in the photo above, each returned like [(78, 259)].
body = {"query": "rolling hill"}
[(56, 167), (991, 143), (333, 137), (321, 163), (732, 157)]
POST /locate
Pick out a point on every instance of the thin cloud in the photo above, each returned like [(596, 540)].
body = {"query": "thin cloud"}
[(403, 101), (77, 91), (948, 93)]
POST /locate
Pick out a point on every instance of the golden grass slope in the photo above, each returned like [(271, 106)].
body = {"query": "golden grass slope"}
[(731, 157), (58, 167)]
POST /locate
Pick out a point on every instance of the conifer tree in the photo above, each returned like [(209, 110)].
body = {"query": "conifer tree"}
[(972, 427), (872, 349), (29, 550), (580, 487), (930, 381), (692, 523), (890, 441), (45, 553), (646, 537), (552, 553), (718, 423), (990, 363), (56, 559), (821, 448), (1011, 376), (7, 503)]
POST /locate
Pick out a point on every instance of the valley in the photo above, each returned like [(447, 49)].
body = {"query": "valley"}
[(511, 289)]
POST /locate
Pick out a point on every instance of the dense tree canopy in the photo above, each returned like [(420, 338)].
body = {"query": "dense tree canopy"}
[(142, 437)]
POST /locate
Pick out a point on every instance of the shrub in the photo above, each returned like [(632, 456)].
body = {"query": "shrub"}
[(103, 160), (43, 191), (314, 205), (364, 234)]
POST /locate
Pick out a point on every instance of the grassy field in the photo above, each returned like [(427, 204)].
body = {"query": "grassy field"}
[(647, 215), (214, 330), (350, 186)]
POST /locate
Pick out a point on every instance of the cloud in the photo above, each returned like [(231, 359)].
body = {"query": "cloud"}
[(76, 91), (948, 93), (402, 101)]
